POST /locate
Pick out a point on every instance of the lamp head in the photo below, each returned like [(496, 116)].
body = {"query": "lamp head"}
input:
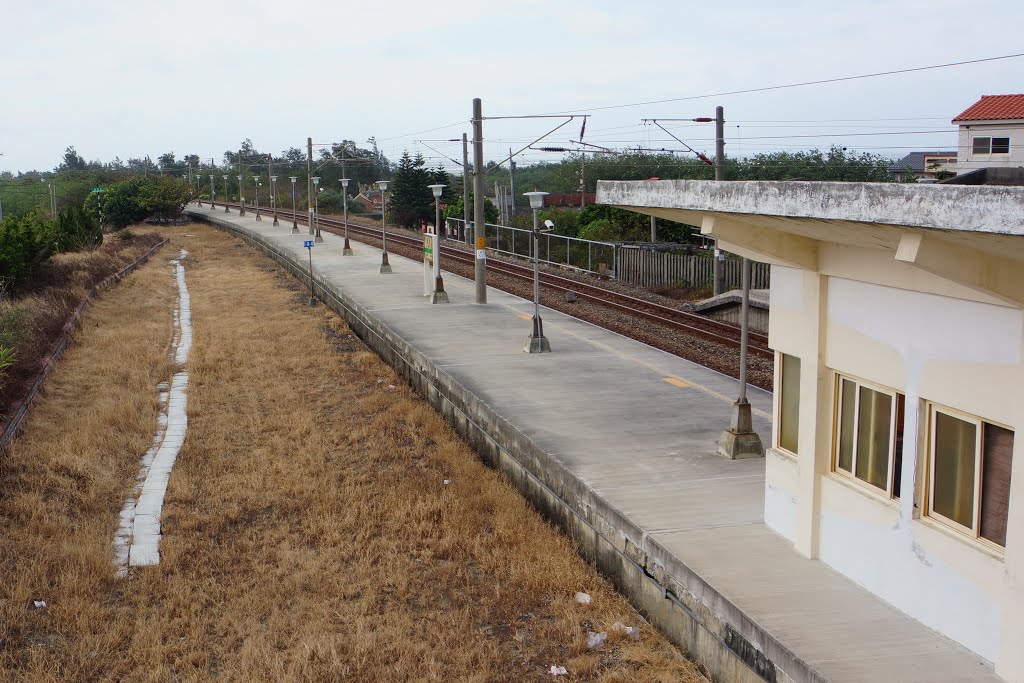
[(344, 182), (536, 199), (383, 185), (315, 179), (438, 190)]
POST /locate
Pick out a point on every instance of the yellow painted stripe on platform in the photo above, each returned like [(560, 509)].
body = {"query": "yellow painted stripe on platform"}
[(523, 316), (676, 382)]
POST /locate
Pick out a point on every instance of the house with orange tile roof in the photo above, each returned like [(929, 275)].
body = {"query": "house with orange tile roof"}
[(991, 133)]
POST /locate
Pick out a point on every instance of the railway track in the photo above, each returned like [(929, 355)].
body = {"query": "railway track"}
[(683, 321)]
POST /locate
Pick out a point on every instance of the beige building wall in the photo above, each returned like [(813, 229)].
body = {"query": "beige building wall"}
[(884, 322), (967, 160)]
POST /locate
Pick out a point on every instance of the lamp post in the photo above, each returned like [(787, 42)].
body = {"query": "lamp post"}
[(385, 267), (257, 183), (536, 342), (273, 196), (347, 251), (295, 218), (316, 208), (241, 194), (226, 196), (438, 296), (213, 192)]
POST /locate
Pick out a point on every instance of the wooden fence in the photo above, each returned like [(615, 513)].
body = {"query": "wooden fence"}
[(655, 269)]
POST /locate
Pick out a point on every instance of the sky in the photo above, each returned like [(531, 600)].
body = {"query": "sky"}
[(117, 78)]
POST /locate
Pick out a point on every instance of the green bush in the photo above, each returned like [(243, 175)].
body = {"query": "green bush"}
[(25, 243), (75, 229), (135, 200)]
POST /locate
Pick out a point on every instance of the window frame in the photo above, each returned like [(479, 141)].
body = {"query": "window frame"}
[(970, 534), (992, 145), (886, 494), (781, 392), (974, 144)]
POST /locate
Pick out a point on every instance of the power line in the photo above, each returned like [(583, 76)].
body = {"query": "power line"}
[(801, 84)]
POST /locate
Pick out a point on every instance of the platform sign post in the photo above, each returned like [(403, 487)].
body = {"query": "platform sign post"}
[(428, 264), (308, 244)]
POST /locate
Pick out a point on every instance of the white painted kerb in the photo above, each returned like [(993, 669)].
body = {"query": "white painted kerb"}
[(137, 541)]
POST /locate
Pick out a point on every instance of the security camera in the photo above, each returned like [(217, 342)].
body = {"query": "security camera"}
[(549, 225)]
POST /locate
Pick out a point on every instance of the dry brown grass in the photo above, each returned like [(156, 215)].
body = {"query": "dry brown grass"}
[(52, 294), (308, 531)]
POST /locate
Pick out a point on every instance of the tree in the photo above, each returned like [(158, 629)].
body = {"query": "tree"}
[(455, 210), (72, 161), (411, 202)]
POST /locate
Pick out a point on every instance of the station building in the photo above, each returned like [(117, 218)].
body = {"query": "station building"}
[(898, 330)]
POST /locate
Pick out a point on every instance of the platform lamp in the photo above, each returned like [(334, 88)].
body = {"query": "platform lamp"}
[(241, 195), (439, 296), (316, 208), (295, 217), (347, 251), (537, 342), (385, 267), (213, 191), (257, 183), (226, 196), (273, 196)]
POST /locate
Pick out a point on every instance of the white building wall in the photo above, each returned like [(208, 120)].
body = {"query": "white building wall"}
[(955, 351), (967, 160)]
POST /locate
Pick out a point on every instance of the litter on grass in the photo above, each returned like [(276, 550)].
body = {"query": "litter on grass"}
[(39, 604), (596, 640), (583, 598), (558, 671), (631, 631)]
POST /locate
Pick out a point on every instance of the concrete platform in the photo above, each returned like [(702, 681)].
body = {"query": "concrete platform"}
[(615, 441)]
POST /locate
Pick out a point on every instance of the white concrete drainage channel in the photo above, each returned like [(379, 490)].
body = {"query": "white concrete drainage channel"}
[(137, 541)]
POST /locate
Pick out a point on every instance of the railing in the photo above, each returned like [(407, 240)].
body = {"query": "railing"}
[(654, 269), (555, 250)]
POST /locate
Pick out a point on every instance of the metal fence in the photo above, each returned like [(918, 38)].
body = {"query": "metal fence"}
[(555, 250), (655, 269)]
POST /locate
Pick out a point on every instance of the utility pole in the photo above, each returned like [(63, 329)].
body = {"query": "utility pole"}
[(309, 180), (241, 186), (479, 229), (512, 183), (583, 187), (465, 187), (719, 175)]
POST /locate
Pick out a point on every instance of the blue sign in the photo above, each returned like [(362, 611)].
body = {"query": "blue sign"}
[(308, 244)]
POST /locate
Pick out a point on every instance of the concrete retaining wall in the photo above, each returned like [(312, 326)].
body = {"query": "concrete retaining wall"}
[(713, 631)]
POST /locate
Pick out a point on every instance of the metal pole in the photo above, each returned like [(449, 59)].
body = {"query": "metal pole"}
[(241, 186), (465, 188), (347, 250), (227, 197), (439, 296), (316, 211), (309, 181), (480, 270), (654, 229), (512, 182), (295, 215), (213, 192), (744, 329), (385, 267), (256, 182)]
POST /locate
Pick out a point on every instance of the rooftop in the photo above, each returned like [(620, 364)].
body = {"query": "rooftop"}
[(994, 108), (915, 161)]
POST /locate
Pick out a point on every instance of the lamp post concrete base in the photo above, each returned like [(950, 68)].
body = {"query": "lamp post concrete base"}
[(347, 251), (385, 267), (439, 296), (318, 239), (740, 441), (276, 223), (226, 209), (536, 345), (295, 228)]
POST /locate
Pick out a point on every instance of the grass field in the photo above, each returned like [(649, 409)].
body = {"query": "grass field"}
[(321, 523)]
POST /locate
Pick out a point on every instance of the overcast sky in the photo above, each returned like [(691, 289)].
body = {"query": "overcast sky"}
[(131, 78)]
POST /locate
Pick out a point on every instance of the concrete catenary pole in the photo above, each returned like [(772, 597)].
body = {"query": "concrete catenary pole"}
[(478, 202), (309, 180), (465, 188), (511, 183), (719, 175), (654, 229), (241, 186)]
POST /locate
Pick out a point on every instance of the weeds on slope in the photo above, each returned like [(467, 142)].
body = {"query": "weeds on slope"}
[(322, 523)]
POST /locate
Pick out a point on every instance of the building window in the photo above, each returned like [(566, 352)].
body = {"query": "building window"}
[(789, 402), (969, 473), (990, 145), (869, 434)]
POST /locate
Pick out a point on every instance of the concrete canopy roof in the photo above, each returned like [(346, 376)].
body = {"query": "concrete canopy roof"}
[(945, 229)]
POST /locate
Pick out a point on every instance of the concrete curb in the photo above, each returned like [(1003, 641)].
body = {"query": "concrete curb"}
[(690, 612), (20, 408)]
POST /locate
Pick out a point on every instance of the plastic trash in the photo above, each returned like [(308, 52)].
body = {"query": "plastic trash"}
[(446, 482), (583, 598), (558, 671), (631, 631), (391, 387), (39, 604), (596, 640)]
